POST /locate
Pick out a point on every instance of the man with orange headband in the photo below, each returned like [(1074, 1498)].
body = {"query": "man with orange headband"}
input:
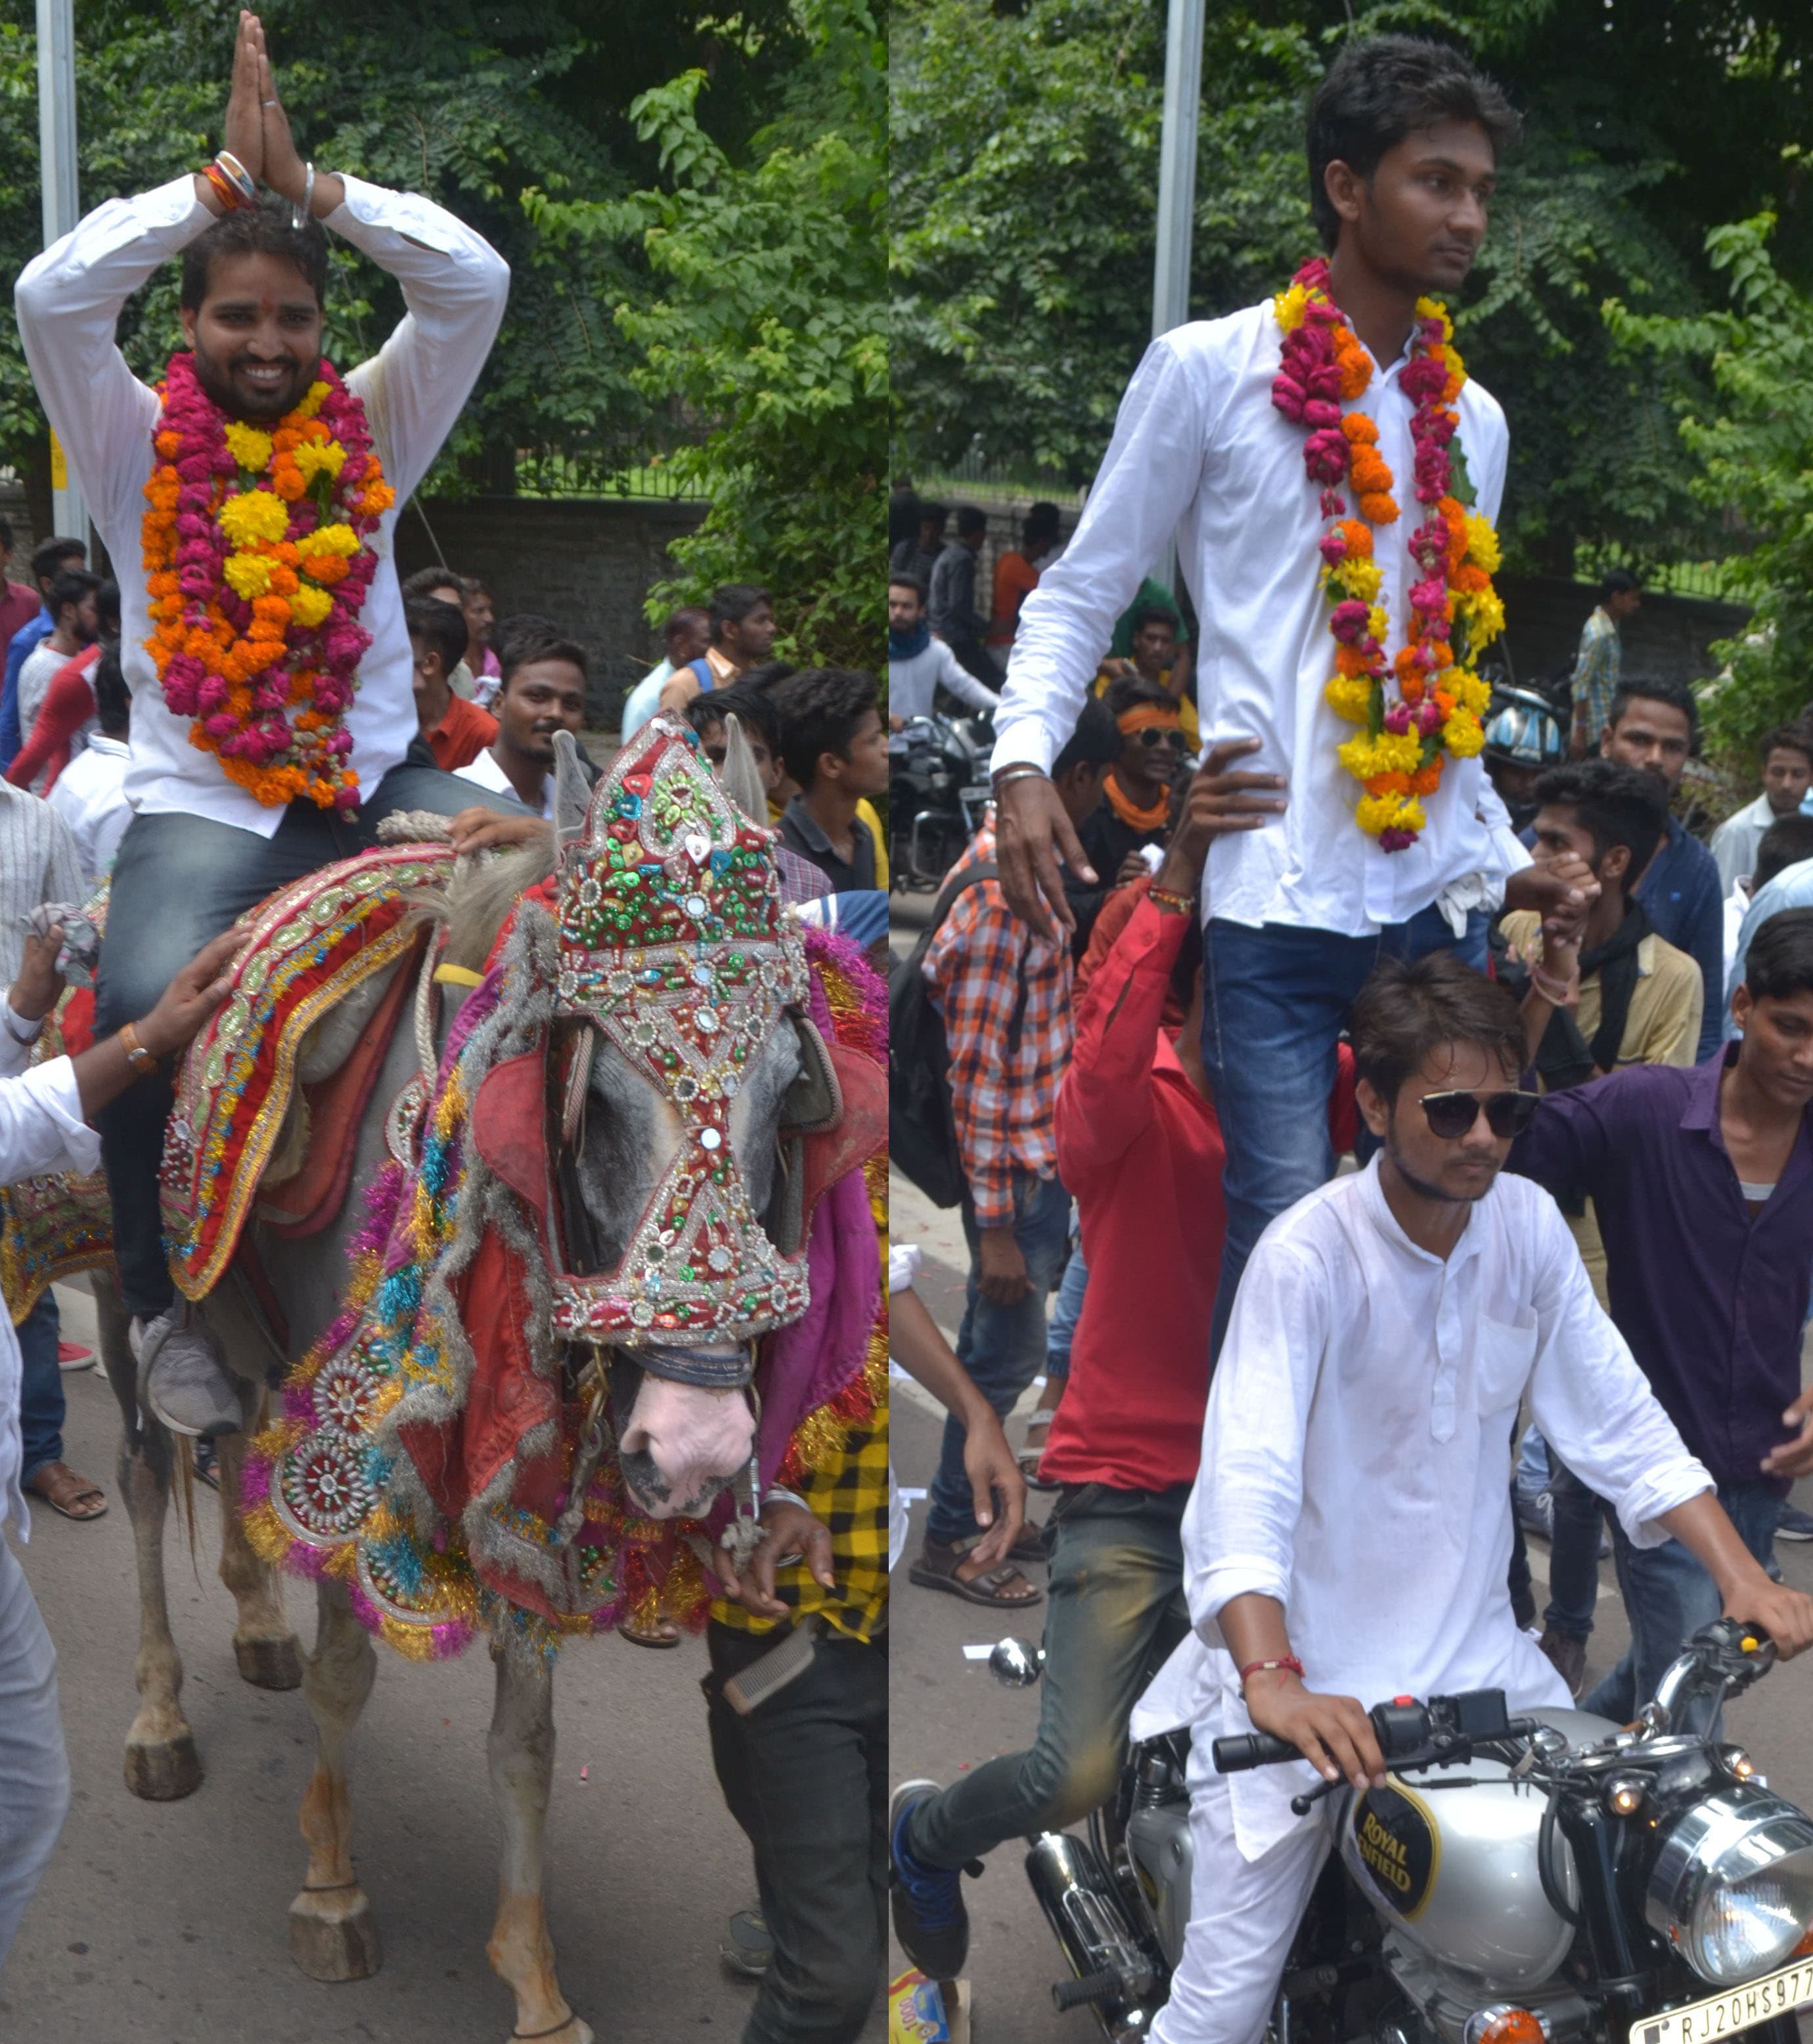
[(1136, 796)]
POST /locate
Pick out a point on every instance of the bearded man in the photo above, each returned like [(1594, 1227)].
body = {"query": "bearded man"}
[(248, 506)]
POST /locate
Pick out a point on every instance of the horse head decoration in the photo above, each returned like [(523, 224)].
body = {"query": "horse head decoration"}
[(615, 1215)]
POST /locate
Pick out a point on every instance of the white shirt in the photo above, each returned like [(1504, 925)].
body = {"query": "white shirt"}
[(69, 299), (911, 683), (1356, 1461), (35, 673), (90, 797), (1199, 449), (904, 1260), (488, 774), (41, 1129), (1734, 842), (643, 699)]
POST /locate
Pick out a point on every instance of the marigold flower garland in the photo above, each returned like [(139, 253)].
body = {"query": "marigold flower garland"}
[(1454, 611), (257, 559)]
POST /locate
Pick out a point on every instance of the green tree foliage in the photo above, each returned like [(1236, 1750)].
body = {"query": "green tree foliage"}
[(1025, 166), (1752, 446), (472, 104), (767, 322)]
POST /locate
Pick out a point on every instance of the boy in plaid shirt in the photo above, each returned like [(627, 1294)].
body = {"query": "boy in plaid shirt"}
[(1004, 997)]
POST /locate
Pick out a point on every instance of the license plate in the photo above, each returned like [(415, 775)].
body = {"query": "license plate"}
[(1725, 2015)]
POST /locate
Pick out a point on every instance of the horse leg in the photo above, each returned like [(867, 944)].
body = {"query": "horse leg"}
[(161, 1760), (520, 1749), (263, 1644), (333, 1934)]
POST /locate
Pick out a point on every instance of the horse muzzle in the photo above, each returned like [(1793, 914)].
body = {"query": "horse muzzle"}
[(683, 1441)]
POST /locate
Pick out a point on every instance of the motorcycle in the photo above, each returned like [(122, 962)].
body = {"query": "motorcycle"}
[(1574, 1879), (938, 787)]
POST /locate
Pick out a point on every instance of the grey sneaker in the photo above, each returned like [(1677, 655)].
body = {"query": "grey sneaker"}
[(181, 1381)]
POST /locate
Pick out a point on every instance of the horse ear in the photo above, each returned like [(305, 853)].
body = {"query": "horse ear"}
[(572, 797), (740, 776)]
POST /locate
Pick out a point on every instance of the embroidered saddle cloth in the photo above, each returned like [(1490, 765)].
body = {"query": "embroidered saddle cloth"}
[(323, 940)]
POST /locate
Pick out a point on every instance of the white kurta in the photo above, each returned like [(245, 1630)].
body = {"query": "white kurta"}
[(1356, 1459), (1198, 448), (69, 299), (41, 1129)]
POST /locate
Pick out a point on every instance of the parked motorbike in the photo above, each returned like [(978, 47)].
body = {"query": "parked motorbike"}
[(1535, 1880), (938, 787)]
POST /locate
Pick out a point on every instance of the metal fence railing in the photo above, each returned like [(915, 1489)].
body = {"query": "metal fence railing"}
[(630, 468)]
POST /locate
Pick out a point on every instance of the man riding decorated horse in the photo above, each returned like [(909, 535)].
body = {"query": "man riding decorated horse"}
[(249, 506)]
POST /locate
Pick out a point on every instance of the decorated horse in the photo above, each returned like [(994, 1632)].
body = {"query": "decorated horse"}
[(576, 1269)]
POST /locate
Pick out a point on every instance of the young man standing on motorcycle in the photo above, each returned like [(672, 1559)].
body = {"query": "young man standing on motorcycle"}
[(1702, 1181), (1347, 1536)]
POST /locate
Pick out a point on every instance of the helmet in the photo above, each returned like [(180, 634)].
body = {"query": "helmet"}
[(1522, 729)]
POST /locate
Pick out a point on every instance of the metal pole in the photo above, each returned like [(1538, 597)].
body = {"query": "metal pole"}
[(1176, 188), (56, 155)]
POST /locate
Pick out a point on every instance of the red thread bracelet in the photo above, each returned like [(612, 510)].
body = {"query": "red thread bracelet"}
[(1289, 1663)]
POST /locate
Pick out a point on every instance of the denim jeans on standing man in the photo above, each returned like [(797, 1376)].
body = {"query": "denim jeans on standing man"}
[(1669, 1597), (179, 880), (42, 1404), (1114, 1605), (1003, 1347), (1066, 1310), (1274, 1001)]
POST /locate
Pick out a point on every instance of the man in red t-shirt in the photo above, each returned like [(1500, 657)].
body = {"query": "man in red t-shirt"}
[(1139, 1147), (456, 731), (19, 603)]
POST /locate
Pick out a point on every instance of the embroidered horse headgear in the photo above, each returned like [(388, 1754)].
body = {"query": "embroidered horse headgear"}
[(673, 941)]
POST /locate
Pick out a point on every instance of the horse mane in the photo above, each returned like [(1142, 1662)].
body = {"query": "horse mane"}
[(483, 893)]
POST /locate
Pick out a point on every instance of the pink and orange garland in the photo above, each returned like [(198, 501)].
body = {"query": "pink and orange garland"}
[(1439, 701), (258, 557)]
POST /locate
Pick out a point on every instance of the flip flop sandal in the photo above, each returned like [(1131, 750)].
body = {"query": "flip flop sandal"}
[(67, 1491), (1029, 1457), (663, 1632), (937, 1573)]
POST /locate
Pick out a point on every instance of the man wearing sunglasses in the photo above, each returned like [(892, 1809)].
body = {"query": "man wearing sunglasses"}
[(1136, 805), (1348, 1533)]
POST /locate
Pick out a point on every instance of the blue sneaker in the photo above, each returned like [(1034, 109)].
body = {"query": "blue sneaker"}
[(929, 1919), (1794, 1525)]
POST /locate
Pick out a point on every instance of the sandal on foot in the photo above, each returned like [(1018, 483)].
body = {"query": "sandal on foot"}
[(936, 1570), (64, 1492), (1030, 1455), (662, 1632), (1031, 1545)]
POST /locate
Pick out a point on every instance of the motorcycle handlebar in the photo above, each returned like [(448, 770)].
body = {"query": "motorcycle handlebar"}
[(1234, 1754)]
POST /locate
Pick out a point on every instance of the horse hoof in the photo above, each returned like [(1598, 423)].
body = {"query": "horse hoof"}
[(334, 1936), (270, 1664), (163, 1770)]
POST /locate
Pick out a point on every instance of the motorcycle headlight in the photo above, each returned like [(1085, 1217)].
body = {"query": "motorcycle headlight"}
[(1732, 1887)]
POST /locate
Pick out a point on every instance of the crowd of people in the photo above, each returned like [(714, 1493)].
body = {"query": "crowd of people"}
[(1324, 1162)]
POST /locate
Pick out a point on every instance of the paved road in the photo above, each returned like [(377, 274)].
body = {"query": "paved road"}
[(165, 1923), (950, 1714)]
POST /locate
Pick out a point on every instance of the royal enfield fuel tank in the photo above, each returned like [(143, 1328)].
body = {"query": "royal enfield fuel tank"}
[(1454, 1869)]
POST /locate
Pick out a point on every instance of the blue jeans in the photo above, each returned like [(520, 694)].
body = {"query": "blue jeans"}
[(1001, 1347), (42, 1403), (1116, 1603), (1669, 1597), (1573, 1553), (1066, 1310), (178, 881), (1532, 1471), (1274, 1002)]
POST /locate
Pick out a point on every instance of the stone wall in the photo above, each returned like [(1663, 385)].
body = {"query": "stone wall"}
[(588, 564), (1669, 637)]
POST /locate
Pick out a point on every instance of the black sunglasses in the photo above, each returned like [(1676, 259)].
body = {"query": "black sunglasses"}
[(1159, 735), (1451, 1115)]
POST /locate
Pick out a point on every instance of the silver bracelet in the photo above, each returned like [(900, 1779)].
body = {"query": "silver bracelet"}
[(306, 211), (1009, 774)]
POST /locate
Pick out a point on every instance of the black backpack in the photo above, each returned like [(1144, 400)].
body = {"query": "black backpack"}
[(922, 1134)]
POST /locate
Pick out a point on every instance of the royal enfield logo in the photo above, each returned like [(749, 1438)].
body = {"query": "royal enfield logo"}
[(1398, 1849)]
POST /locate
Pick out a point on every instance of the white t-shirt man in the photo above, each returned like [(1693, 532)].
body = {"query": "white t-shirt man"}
[(1356, 1467), (486, 771), (69, 299), (912, 683), (90, 797), (1199, 451)]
